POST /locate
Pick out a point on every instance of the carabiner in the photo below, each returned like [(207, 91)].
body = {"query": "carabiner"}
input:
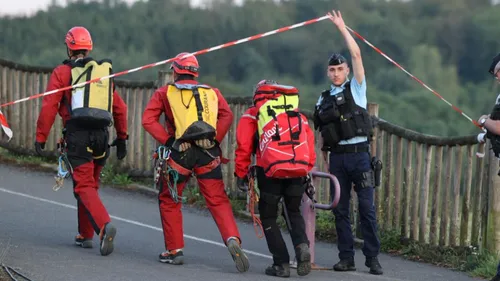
[(163, 153), (60, 170)]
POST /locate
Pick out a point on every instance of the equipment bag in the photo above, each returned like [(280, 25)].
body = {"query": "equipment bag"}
[(91, 104), (282, 138), (194, 109)]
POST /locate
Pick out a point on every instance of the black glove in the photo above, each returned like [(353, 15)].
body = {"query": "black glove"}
[(39, 146), (170, 142), (121, 148), (242, 184)]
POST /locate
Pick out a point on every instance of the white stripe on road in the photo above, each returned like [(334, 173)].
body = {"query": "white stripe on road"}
[(161, 230), (130, 221)]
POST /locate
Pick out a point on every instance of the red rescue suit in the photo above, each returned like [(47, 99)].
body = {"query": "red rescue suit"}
[(92, 215), (247, 143), (205, 165)]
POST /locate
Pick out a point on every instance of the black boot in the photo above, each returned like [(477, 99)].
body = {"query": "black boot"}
[(345, 265), (374, 265), (496, 278), (279, 270), (303, 256)]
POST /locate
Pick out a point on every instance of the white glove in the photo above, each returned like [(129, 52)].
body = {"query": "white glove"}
[(481, 138)]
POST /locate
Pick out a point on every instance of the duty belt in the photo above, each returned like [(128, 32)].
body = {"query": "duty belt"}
[(350, 148)]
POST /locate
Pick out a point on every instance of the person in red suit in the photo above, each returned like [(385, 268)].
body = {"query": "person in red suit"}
[(85, 132), (197, 119)]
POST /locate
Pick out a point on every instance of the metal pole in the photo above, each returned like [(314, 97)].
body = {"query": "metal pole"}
[(308, 211)]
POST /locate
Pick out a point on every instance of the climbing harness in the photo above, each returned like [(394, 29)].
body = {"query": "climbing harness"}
[(163, 171), (161, 155), (254, 198), (64, 169)]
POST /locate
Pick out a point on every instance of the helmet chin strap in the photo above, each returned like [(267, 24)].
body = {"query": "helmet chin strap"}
[(68, 52)]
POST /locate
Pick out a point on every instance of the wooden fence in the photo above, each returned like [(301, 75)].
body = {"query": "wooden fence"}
[(434, 190)]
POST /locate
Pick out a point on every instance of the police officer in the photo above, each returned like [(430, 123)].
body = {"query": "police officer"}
[(492, 125), (345, 126)]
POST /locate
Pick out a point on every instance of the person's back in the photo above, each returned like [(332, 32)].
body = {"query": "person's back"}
[(283, 142), (197, 120), (86, 112)]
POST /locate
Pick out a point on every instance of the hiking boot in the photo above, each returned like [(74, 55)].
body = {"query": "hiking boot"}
[(496, 278), (172, 257), (374, 265), (279, 270), (83, 242), (107, 236), (345, 265), (303, 259), (239, 257)]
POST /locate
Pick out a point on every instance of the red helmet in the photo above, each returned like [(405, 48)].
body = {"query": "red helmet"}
[(264, 82), (78, 38), (187, 65)]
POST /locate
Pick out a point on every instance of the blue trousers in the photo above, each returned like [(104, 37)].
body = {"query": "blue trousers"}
[(348, 167)]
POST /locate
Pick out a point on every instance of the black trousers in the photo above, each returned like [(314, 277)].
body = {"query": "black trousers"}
[(271, 191)]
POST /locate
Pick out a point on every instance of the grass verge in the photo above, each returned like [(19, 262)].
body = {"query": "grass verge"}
[(476, 263), (467, 259)]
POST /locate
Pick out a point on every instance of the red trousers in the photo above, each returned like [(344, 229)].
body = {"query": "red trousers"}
[(92, 215), (209, 177), (87, 151)]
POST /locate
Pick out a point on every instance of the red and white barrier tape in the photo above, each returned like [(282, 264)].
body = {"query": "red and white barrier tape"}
[(8, 131), (414, 78), (222, 46), (479, 154), (3, 121)]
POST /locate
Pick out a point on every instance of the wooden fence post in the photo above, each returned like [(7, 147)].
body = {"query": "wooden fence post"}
[(373, 110), (493, 220), (164, 77)]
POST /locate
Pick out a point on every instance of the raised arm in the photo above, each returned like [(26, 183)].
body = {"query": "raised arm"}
[(357, 62)]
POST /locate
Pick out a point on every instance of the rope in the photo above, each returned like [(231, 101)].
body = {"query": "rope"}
[(164, 171), (8, 269), (64, 169), (10, 274), (172, 183), (254, 197)]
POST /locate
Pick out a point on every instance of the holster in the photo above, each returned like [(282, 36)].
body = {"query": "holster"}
[(377, 170)]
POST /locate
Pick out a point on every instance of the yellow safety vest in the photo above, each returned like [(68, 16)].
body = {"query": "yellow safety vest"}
[(195, 109), (91, 104)]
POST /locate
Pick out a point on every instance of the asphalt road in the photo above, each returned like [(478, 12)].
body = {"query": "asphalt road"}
[(37, 228)]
